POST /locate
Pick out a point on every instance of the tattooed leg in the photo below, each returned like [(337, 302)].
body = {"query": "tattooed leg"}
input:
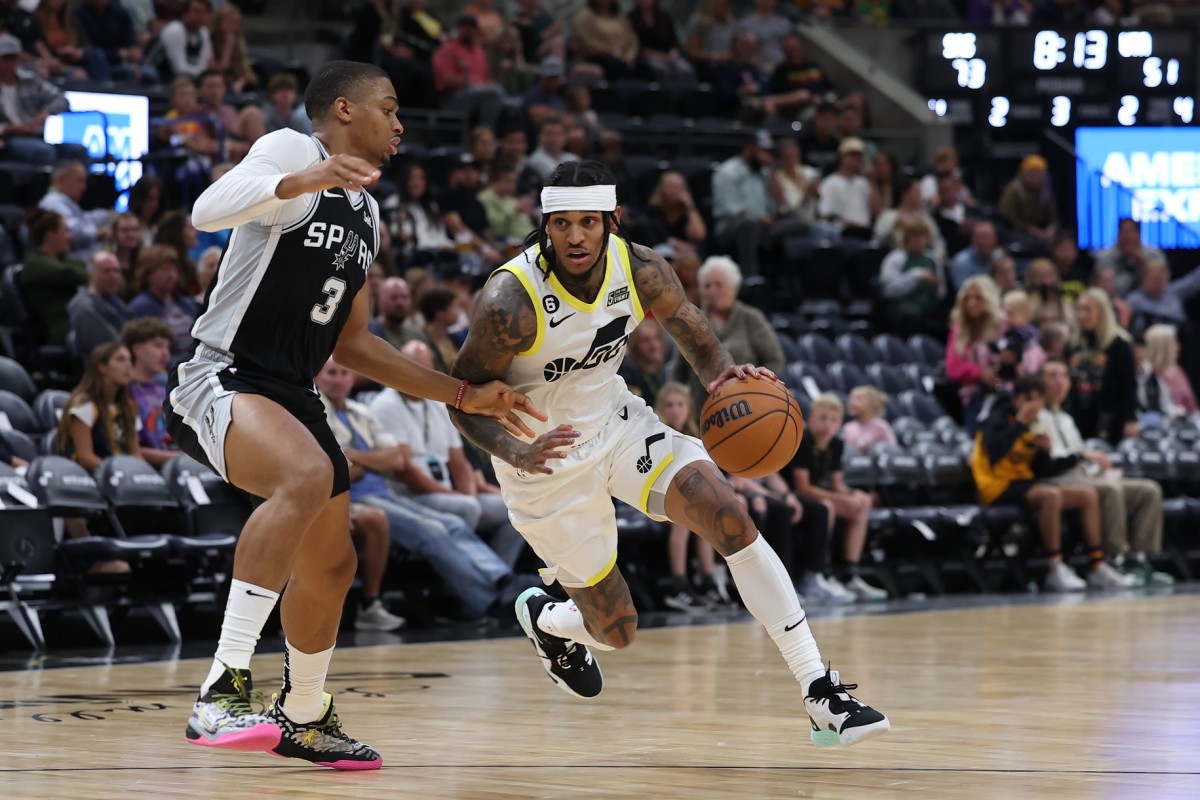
[(607, 610), (701, 499)]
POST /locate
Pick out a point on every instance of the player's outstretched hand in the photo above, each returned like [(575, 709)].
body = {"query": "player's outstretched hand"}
[(340, 171), (534, 456), (741, 372), (498, 400)]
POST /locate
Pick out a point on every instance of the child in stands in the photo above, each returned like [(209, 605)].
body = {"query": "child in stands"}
[(867, 426)]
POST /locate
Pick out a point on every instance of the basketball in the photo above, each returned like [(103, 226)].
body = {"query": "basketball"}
[(752, 428)]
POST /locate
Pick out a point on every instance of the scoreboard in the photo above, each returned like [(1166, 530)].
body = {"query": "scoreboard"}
[(1031, 78)]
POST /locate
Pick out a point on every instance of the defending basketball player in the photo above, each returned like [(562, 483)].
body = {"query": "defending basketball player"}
[(553, 322), (286, 297)]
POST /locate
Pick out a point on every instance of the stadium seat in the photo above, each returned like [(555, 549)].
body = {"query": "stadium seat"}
[(919, 405), (906, 429), (821, 273), (20, 415), (791, 350), (48, 406), (845, 376), (15, 379), (20, 444), (856, 350), (862, 272), (891, 379), (816, 349), (804, 377), (210, 505), (892, 349), (927, 350), (27, 560)]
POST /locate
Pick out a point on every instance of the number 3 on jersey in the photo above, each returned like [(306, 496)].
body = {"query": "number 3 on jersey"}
[(321, 313)]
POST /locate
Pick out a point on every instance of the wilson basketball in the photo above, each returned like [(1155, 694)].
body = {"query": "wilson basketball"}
[(752, 428)]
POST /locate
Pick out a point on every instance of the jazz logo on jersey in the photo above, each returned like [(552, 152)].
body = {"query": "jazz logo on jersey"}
[(617, 295), (348, 243), (608, 344)]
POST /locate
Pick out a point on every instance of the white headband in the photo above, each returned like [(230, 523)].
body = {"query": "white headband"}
[(578, 198)]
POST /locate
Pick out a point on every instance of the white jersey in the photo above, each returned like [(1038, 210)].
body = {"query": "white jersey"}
[(570, 370)]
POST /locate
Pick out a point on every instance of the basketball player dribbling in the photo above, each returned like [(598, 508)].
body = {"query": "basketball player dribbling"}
[(554, 322), (285, 298)]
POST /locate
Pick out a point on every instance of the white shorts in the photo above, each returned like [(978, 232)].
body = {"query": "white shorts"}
[(568, 518)]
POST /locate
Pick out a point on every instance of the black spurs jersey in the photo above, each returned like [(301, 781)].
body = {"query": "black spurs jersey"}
[(288, 277)]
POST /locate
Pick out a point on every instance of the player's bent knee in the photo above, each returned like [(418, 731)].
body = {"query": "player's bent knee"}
[(620, 633)]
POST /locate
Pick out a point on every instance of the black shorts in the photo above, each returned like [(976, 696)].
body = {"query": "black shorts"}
[(199, 402), (1015, 495)]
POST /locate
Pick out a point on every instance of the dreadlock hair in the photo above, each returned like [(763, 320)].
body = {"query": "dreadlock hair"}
[(575, 173), (91, 390)]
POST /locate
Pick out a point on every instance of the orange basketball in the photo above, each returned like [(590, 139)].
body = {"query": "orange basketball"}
[(752, 428)]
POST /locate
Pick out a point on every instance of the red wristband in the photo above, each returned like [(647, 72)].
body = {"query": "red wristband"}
[(462, 390)]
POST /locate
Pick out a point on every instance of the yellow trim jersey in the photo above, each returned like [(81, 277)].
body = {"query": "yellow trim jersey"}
[(570, 370)]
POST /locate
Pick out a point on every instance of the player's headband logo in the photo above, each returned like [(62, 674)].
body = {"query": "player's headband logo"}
[(579, 198)]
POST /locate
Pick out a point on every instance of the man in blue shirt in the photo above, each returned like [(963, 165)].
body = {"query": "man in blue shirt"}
[(978, 258)]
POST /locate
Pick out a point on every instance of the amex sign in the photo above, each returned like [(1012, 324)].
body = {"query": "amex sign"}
[(1149, 174), (108, 125)]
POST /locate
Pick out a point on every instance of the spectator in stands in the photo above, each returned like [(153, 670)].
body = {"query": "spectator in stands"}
[(1003, 273), (514, 147), (884, 176), (98, 314), (708, 37), (658, 41), (552, 138), (463, 78), (1105, 279), (850, 126), (911, 281), (124, 240), (437, 474), (241, 127), (769, 29), (464, 215), (545, 98), (196, 132), (1028, 203), (674, 407), (468, 567), (1160, 299), (974, 330), (1055, 339), (507, 63), (979, 257), (1131, 520), (605, 37), (951, 213), (796, 84), (1018, 318), (509, 217), (1162, 385), (108, 26), (281, 109), (1104, 373), (60, 35), (175, 230), (1128, 255), (186, 43), (816, 472), (389, 35), (1011, 454), (422, 228), (160, 295), (867, 427), (440, 310), (741, 79), (491, 22), (611, 154), (890, 223), (231, 56), (100, 418), (645, 368), (846, 193), (370, 526), (146, 22), (742, 207), (794, 186), (945, 162), (395, 305), (145, 203), (28, 101), (51, 277), (1044, 286), (206, 270), (821, 144), (1074, 268), (68, 182), (484, 149), (743, 329), (148, 340), (541, 33), (671, 216)]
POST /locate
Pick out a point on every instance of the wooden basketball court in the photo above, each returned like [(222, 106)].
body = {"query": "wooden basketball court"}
[(1096, 698)]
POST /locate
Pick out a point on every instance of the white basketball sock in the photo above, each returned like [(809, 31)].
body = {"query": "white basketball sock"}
[(245, 614), (767, 591), (304, 683), (566, 621)]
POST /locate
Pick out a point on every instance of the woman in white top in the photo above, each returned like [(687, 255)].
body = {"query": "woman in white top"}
[(422, 229), (908, 206), (793, 185), (100, 418)]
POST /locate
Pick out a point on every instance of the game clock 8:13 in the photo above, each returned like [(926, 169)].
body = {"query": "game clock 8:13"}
[(1033, 78)]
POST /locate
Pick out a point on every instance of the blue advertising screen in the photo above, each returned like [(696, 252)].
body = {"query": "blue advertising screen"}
[(112, 125), (1149, 174)]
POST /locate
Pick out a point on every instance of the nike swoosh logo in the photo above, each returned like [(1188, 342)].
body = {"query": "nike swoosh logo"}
[(786, 628), (256, 594), (554, 323)]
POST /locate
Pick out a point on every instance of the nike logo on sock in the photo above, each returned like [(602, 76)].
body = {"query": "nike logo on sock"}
[(795, 624), (256, 594)]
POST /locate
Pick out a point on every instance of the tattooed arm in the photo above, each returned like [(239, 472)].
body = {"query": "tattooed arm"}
[(503, 324)]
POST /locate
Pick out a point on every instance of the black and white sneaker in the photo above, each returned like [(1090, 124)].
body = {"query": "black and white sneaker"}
[(836, 717), (569, 664), (323, 742), (682, 599)]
